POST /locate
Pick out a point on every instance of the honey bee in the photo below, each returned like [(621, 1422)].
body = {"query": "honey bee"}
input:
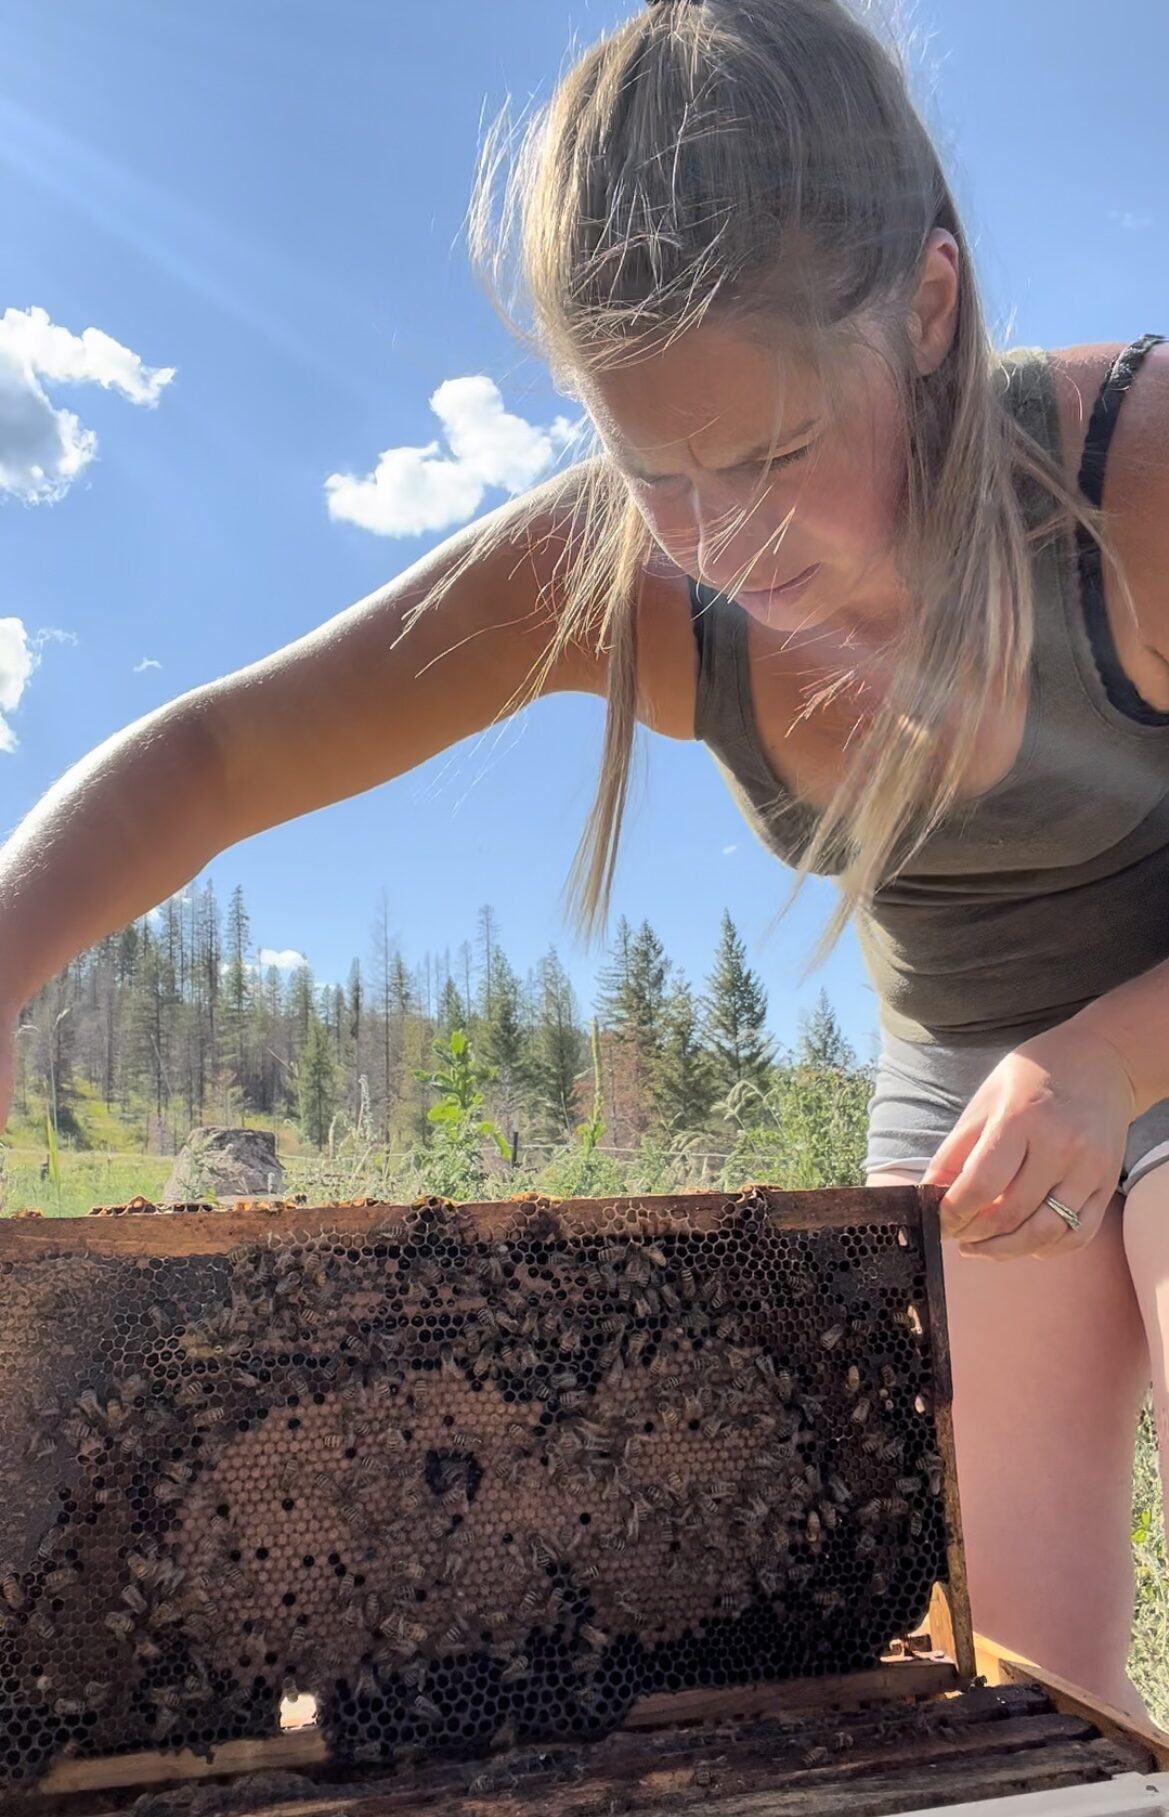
[(852, 1379), (814, 1757), (12, 1592), (934, 1468), (516, 1670), (531, 1598), (861, 1411), (830, 1338), (40, 1625)]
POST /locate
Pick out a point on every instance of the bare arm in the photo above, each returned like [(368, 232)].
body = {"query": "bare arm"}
[(337, 712)]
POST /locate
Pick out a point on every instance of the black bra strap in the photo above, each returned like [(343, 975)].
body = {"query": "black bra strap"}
[(1117, 685)]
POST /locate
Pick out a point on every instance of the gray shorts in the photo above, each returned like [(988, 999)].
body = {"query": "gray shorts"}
[(922, 1088)]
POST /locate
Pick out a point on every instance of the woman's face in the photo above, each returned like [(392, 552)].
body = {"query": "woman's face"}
[(690, 428)]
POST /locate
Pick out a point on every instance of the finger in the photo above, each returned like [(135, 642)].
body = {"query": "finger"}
[(1044, 1235), (1025, 1195), (952, 1153), (989, 1169)]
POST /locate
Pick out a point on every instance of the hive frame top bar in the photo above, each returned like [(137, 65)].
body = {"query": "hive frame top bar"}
[(212, 1232)]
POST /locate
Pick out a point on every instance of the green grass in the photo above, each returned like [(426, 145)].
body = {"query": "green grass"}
[(87, 1179), (1149, 1661)]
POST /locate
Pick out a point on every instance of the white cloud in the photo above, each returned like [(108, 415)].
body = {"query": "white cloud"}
[(728, 849), (287, 960), (17, 662), (147, 662), (413, 490), (20, 655), (1132, 223), (42, 448)]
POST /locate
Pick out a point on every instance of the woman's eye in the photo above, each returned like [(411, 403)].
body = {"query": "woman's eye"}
[(760, 467), (781, 460)]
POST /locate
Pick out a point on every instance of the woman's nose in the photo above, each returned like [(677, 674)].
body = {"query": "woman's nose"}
[(736, 537)]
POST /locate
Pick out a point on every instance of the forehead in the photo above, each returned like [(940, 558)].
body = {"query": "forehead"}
[(715, 389)]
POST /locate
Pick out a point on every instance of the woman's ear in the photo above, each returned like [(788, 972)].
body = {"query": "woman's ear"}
[(933, 315)]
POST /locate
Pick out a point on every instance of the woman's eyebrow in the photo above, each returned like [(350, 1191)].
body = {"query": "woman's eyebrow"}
[(752, 454)]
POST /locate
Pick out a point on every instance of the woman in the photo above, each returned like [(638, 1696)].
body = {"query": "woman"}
[(829, 532)]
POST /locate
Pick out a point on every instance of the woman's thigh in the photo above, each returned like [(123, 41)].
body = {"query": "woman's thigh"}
[(1050, 1367), (1146, 1232)]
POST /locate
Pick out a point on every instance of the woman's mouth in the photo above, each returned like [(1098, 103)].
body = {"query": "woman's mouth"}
[(786, 590)]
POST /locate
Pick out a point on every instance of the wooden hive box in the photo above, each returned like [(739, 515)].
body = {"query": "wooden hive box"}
[(606, 1504)]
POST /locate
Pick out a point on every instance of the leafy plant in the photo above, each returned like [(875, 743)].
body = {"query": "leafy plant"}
[(453, 1162)]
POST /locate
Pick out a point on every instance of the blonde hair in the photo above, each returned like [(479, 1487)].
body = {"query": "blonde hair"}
[(760, 164)]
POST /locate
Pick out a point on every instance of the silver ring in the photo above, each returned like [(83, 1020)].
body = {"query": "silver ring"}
[(1071, 1218)]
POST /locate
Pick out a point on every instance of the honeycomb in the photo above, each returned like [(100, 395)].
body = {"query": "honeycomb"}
[(469, 1482)]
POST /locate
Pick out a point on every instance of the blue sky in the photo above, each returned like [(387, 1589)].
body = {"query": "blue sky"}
[(266, 200)]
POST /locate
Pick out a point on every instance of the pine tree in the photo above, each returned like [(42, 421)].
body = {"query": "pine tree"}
[(632, 990), (316, 1080), (211, 965), (452, 1011), (503, 1035), (355, 1004), (648, 971), (822, 1041), (237, 985), (337, 1021), (465, 957), (735, 1016), (488, 937), (683, 1084), (301, 1004), (145, 1067), (384, 956), (613, 980), (557, 1051)]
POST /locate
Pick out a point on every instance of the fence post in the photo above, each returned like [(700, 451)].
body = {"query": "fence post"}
[(515, 1147)]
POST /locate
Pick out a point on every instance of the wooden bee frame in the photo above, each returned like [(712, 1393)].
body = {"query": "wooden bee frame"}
[(859, 1249)]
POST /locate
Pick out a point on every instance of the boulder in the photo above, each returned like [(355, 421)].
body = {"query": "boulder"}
[(225, 1163)]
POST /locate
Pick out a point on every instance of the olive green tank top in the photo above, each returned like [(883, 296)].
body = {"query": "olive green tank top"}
[(1053, 886)]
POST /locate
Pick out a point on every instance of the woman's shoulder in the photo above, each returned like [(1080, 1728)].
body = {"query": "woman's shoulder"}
[(1136, 492), (1139, 452)]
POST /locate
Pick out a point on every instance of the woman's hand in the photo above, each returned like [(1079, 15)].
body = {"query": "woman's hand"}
[(1052, 1117)]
